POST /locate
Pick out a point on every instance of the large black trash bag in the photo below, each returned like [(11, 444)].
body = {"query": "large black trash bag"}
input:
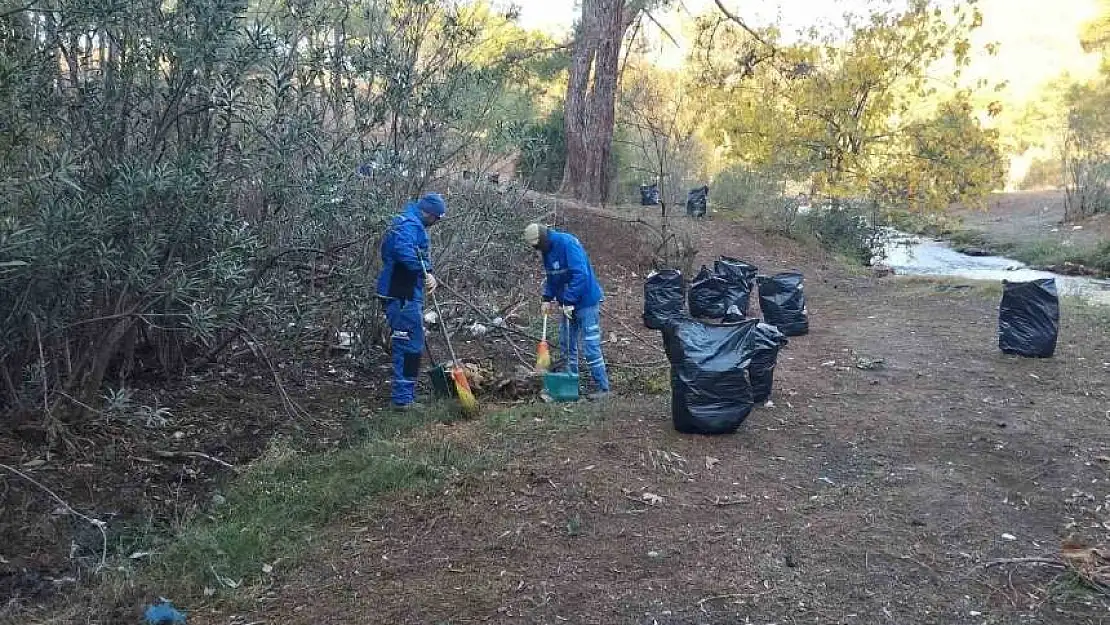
[(697, 201), (783, 302), (664, 297), (649, 194), (710, 392), (764, 342), (709, 295), (741, 279), (1029, 318)]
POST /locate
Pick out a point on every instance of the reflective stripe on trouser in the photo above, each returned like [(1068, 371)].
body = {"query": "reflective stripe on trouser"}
[(586, 326), (406, 345)]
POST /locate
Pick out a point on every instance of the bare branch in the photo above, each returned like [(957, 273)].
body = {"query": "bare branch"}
[(662, 28), (735, 18)]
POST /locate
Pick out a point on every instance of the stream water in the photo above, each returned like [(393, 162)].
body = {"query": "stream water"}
[(917, 256)]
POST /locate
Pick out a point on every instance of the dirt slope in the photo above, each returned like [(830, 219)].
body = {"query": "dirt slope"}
[(1031, 217)]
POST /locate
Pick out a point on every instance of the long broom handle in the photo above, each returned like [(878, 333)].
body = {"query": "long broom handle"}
[(442, 322)]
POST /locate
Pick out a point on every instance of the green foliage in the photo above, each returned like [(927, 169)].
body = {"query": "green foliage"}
[(543, 152), (1043, 174), (185, 179), (1086, 146), (947, 158), (757, 193), (1087, 150), (846, 116), (847, 229)]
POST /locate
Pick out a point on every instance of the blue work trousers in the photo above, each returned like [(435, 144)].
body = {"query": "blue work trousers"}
[(584, 326), (406, 320)]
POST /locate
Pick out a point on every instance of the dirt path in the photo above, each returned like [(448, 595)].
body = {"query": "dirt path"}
[(861, 496)]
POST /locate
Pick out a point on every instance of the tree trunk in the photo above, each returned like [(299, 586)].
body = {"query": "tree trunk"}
[(589, 109)]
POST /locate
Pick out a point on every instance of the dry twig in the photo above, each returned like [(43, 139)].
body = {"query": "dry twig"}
[(1052, 562), (726, 501), (193, 454), (97, 523)]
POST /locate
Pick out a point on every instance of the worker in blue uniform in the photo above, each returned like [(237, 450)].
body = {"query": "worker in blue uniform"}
[(406, 275), (572, 291)]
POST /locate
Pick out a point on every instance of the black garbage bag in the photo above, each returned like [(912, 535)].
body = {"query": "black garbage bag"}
[(783, 302), (764, 341), (733, 315), (708, 295), (710, 388), (649, 194), (741, 279), (697, 201), (664, 297), (1029, 318), (710, 392)]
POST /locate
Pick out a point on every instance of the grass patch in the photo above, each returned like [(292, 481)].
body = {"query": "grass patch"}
[(643, 381), (547, 418), (1039, 254), (363, 424), (963, 240), (276, 508), (1055, 254)]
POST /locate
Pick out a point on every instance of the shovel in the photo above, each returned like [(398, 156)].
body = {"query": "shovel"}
[(467, 402), (543, 352)]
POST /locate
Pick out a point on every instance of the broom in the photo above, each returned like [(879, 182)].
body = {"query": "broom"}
[(467, 402), (543, 352)]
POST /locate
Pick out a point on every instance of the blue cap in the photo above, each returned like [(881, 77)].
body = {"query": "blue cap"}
[(433, 204)]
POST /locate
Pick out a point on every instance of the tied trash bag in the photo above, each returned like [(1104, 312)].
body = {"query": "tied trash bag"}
[(697, 201), (711, 391), (1029, 318), (783, 302), (649, 194), (709, 295), (664, 296), (741, 279)]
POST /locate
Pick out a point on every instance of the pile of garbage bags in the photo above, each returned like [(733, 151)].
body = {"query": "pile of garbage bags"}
[(719, 372), (724, 293), (722, 362)]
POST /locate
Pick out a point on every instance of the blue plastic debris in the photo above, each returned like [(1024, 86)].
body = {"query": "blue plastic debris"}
[(163, 613)]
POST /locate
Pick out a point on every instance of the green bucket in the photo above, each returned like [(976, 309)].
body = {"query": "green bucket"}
[(442, 385), (561, 387)]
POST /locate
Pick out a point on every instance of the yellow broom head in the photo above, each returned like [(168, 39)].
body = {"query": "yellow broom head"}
[(467, 402), (543, 357)]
